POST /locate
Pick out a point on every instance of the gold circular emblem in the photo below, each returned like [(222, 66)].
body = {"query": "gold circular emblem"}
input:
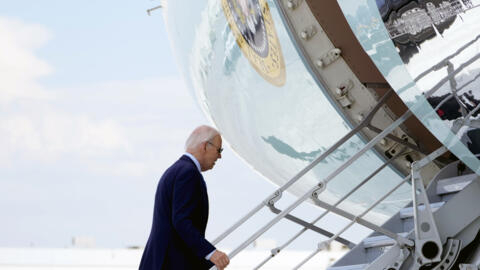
[(253, 28)]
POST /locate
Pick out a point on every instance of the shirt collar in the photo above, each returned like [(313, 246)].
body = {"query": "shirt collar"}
[(194, 161)]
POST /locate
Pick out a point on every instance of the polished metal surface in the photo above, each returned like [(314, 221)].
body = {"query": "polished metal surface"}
[(251, 67), (277, 128), (427, 46), (329, 14)]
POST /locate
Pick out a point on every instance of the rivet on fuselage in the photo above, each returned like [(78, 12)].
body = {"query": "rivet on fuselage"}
[(308, 33), (291, 4), (328, 58)]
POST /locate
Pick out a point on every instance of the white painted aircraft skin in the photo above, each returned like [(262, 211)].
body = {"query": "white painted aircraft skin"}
[(277, 130)]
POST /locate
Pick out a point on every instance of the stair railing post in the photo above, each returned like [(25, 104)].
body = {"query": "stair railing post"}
[(324, 244), (357, 155), (294, 179), (277, 250)]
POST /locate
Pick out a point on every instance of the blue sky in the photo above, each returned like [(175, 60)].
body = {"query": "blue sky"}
[(104, 40), (92, 111)]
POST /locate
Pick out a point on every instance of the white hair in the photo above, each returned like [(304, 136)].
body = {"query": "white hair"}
[(200, 135)]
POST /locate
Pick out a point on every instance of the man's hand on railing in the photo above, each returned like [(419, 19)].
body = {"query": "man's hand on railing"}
[(220, 259)]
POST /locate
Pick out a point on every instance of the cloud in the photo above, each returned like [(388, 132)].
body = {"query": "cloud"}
[(19, 66), (112, 128), (32, 127), (122, 127), (101, 124), (155, 114), (46, 137)]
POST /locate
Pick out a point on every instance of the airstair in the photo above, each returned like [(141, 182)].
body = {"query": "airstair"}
[(441, 221), (452, 196), (437, 230)]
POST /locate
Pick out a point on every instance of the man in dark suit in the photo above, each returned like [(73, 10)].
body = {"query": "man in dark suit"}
[(177, 239)]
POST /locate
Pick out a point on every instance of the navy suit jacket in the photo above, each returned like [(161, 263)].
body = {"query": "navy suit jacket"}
[(177, 239)]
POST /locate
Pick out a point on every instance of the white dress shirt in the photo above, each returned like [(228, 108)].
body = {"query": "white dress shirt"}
[(200, 170)]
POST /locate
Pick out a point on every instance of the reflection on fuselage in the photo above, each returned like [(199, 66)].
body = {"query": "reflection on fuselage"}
[(452, 108), (271, 110), (340, 154), (426, 49), (410, 23)]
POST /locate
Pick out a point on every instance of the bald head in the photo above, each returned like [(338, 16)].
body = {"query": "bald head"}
[(200, 135), (205, 143)]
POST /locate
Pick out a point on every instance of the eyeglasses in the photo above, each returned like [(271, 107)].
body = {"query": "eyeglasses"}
[(219, 149)]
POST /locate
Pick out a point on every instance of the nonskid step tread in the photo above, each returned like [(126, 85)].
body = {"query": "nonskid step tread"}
[(380, 241), (407, 212), (349, 267), (454, 184)]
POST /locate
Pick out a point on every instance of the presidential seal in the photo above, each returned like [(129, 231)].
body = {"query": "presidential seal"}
[(253, 28)]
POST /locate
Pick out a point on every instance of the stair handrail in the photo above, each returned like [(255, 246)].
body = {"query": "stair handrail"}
[(322, 184), (277, 250), (440, 64), (324, 244), (421, 163), (277, 193), (365, 123)]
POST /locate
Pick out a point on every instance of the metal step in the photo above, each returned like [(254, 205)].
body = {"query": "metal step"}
[(380, 241), (408, 211), (454, 184), (372, 247), (349, 267)]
